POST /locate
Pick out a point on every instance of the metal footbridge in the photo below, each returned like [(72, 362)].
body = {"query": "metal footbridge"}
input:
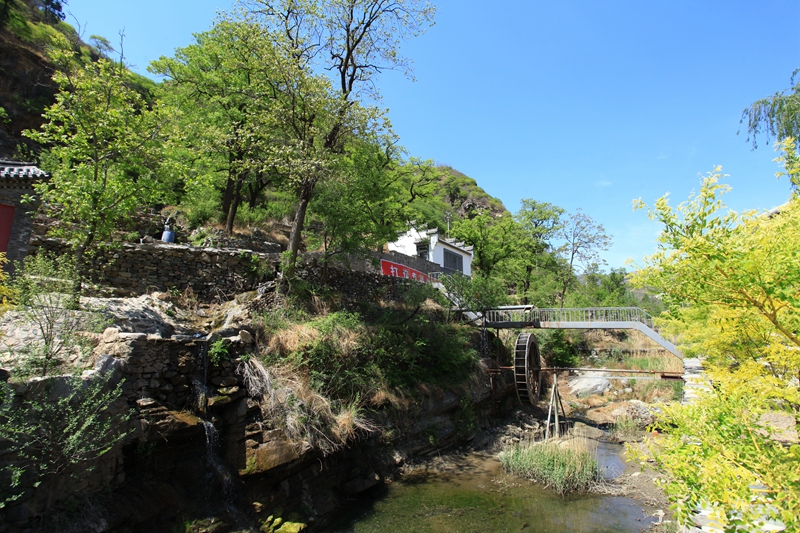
[(527, 360), (526, 316)]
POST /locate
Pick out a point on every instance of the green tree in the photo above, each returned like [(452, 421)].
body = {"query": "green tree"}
[(531, 266), (368, 201), (492, 239), (776, 116), (104, 150), (354, 40), (226, 87), (583, 239), (733, 285)]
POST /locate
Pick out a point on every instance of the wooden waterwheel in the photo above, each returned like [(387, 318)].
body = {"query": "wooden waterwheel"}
[(527, 366)]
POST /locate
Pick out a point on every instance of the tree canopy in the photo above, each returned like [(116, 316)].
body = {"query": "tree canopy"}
[(105, 149), (732, 282), (776, 116)]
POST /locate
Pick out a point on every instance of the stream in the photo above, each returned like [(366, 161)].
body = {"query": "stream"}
[(476, 496)]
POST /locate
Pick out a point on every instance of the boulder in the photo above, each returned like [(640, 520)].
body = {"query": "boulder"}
[(587, 385)]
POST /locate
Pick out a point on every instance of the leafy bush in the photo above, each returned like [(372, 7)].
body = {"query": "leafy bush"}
[(476, 293), (557, 348), (218, 352), (58, 429), (200, 208), (44, 289)]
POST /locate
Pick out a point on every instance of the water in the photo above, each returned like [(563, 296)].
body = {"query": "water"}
[(219, 474), (476, 496)]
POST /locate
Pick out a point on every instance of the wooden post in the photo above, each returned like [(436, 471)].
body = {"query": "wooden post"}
[(556, 399)]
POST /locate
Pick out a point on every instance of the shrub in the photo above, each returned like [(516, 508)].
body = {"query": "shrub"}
[(60, 428), (218, 352), (44, 289), (557, 348)]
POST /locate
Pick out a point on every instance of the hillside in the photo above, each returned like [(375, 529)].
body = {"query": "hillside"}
[(458, 196)]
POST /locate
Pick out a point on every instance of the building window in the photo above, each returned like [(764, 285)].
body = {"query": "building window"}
[(453, 262), (422, 250)]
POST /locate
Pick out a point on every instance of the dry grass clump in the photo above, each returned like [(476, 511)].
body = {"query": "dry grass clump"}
[(288, 402), (625, 428), (291, 338)]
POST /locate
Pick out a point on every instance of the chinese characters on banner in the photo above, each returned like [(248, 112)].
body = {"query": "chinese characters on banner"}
[(397, 270)]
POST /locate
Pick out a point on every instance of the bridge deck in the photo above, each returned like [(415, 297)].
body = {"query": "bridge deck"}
[(525, 316)]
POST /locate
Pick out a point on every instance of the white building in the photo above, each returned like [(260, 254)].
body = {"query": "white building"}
[(452, 256)]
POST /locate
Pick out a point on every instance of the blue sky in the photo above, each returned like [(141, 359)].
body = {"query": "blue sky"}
[(585, 104)]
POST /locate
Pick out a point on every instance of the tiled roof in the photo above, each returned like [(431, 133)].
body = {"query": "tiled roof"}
[(20, 170)]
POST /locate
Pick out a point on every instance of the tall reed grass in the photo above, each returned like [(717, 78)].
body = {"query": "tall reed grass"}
[(559, 466)]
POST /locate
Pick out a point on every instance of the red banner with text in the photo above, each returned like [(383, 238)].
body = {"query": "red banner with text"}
[(397, 270)]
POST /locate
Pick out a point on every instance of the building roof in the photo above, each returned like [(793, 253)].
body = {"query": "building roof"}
[(456, 244), (444, 240), (19, 170)]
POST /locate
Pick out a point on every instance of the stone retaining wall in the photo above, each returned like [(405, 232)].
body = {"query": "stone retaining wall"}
[(220, 273), (372, 263), (211, 273)]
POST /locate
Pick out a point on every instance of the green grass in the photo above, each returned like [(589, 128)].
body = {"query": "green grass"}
[(625, 428), (562, 469)]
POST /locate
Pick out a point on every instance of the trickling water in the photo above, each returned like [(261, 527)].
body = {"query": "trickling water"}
[(219, 472), (201, 387), (216, 467)]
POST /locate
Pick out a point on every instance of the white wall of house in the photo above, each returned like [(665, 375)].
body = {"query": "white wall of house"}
[(439, 253), (407, 244)]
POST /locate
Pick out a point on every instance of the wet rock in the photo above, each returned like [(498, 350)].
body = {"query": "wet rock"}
[(267, 456), (219, 400)]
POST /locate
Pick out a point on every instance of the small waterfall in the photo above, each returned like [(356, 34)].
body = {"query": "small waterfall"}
[(219, 470), (201, 387), (216, 466), (219, 474)]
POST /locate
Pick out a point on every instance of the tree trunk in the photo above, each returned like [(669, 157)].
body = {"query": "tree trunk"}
[(227, 195), (255, 190), (74, 300), (237, 199), (294, 237)]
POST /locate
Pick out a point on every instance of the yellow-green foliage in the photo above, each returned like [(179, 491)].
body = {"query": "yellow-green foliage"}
[(6, 293), (716, 450), (733, 282)]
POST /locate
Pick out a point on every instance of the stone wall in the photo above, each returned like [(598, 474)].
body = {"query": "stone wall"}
[(220, 273), (211, 273), (372, 263), (357, 287)]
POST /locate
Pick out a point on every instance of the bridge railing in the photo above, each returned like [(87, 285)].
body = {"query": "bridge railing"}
[(529, 314)]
